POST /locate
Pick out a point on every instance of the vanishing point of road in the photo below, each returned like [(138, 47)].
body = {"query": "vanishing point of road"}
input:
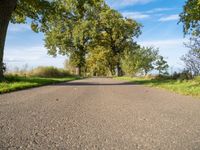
[(99, 113)]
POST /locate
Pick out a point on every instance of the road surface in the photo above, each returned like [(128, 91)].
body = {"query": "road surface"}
[(99, 113)]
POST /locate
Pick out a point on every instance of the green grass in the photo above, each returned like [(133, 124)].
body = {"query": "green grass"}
[(13, 83), (185, 87)]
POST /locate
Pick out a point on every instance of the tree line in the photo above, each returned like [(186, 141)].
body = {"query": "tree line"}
[(97, 39)]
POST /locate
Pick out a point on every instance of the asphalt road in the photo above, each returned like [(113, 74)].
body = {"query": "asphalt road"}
[(100, 114)]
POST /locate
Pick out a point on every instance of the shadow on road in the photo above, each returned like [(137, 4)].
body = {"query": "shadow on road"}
[(94, 84)]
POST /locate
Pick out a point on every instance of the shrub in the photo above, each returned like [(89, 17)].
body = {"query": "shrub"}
[(162, 77), (184, 75), (197, 79), (150, 76), (48, 72)]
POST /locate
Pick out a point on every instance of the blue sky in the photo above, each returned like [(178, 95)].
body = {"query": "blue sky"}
[(160, 29)]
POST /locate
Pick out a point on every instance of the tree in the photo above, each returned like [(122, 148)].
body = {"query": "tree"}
[(149, 56), (17, 11), (161, 65), (115, 32), (190, 17), (71, 34), (132, 60), (192, 58), (98, 61), (138, 59)]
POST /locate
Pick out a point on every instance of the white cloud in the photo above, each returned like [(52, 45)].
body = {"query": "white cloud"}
[(164, 43), (33, 56), (146, 14), (156, 10), (124, 3), (19, 27), (135, 15), (169, 18)]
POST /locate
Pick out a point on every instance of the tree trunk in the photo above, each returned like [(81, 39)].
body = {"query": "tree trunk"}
[(78, 71), (119, 70), (6, 9)]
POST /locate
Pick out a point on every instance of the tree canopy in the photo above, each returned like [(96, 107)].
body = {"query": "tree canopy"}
[(97, 39), (190, 17), (17, 11)]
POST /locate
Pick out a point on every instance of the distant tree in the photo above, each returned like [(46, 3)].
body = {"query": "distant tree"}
[(192, 58), (149, 56), (161, 65), (115, 32), (139, 59)]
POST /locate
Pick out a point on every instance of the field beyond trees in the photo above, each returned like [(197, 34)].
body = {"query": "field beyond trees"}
[(185, 87)]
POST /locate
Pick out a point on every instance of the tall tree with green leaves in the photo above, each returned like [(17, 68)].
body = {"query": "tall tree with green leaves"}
[(149, 56), (132, 60), (161, 65), (17, 11), (190, 17), (115, 31), (98, 61), (137, 59), (71, 34)]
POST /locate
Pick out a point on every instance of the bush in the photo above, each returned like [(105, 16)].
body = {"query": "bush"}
[(184, 75), (48, 72), (162, 77), (150, 76), (197, 79)]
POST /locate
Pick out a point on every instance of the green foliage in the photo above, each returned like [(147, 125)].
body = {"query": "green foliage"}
[(184, 75), (161, 65), (115, 32), (48, 72), (149, 56), (197, 79), (37, 10), (96, 38), (17, 11), (139, 59), (82, 30), (190, 17), (13, 83), (191, 87), (71, 34), (99, 62), (132, 60)]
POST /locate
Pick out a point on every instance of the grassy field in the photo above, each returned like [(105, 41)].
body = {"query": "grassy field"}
[(13, 83), (185, 87)]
